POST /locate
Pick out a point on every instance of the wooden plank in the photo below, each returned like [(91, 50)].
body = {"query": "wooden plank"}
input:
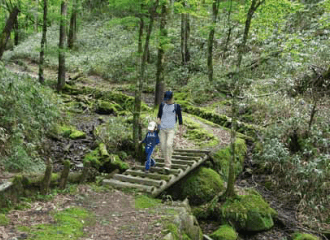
[(139, 180), (185, 157), (119, 184), (175, 161), (174, 166), (158, 169), (142, 174), (191, 151)]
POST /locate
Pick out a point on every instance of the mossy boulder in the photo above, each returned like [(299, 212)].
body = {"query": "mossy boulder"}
[(199, 186), (225, 232), (304, 236), (93, 158), (116, 163), (222, 158), (4, 221), (105, 107), (248, 212), (77, 135)]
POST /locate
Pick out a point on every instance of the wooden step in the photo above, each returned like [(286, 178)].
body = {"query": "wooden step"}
[(188, 154), (142, 174), (173, 165), (191, 151), (138, 180), (119, 184), (185, 157), (159, 170), (176, 161)]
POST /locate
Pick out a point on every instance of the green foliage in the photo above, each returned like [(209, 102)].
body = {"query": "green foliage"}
[(29, 111), (4, 221), (222, 159), (143, 201), (304, 236), (225, 232), (199, 186), (69, 225)]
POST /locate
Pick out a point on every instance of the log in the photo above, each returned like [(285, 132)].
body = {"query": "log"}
[(84, 174), (65, 174), (47, 177)]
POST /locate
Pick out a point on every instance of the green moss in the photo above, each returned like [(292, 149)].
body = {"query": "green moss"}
[(65, 131), (103, 150), (4, 221), (185, 237), (93, 158), (304, 236), (69, 225), (199, 186), (104, 107), (174, 230), (222, 158), (143, 201), (77, 135), (116, 163), (195, 132), (249, 212), (225, 232)]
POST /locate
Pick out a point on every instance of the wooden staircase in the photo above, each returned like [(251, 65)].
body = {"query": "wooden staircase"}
[(156, 181)]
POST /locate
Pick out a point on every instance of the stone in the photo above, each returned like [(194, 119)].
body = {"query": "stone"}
[(225, 232), (77, 135)]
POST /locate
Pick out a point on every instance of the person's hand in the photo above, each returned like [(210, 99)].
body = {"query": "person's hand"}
[(158, 121), (140, 142)]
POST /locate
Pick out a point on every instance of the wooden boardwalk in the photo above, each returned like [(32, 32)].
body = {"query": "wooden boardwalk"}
[(155, 182)]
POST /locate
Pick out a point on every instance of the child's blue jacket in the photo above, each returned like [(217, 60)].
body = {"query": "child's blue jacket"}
[(151, 139)]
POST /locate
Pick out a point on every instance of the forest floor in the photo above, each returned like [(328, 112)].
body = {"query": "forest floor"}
[(118, 207)]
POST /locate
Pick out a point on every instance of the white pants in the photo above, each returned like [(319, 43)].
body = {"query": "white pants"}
[(166, 145)]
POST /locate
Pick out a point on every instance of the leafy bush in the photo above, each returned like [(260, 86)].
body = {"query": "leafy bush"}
[(28, 111)]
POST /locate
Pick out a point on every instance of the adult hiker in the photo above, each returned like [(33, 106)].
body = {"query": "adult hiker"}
[(168, 114)]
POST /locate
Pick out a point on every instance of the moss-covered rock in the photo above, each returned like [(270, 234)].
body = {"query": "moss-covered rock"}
[(4, 221), (103, 150), (77, 135), (225, 232), (116, 163), (94, 158), (304, 236), (199, 187), (248, 212), (222, 158), (104, 107)]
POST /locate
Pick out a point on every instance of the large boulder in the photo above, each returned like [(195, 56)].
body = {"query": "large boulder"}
[(199, 187), (304, 236), (248, 212), (225, 232), (222, 158)]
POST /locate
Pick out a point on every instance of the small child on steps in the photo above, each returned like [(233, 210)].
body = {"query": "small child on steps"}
[(151, 140)]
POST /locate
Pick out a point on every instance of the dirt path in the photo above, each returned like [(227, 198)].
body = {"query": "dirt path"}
[(115, 216)]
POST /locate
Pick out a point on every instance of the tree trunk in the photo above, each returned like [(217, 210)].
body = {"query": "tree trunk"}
[(139, 84), (47, 177), (61, 55), (215, 11), (186, 38), (36, 16), (160, 67), (229, 32), (65, 174), (230, 191), (241, 49), (140, 47), (43, 43), (182, 37), (16, 27), (6, 31), (73, 25)]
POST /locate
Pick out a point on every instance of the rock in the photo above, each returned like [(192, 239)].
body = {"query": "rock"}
[(103, 150), (248, 212), (77, 135), (104, 107), (199, 187), (304, 236), (225, 232), (168, 237)]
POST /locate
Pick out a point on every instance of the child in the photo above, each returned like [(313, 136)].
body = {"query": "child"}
[(151, 140)]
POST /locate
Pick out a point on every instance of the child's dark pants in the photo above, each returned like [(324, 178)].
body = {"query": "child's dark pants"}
[(150, 162)]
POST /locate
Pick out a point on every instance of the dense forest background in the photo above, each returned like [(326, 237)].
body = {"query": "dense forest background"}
[(264, 63)]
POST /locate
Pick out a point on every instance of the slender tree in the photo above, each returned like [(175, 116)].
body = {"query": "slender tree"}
[(215, 10), (36, 16), (160, 67), (7, 30), (73, 25), (229, 31), (43, 43), (185, 34), (230, 192), (16, 28), (140, 79), (61, 55)]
